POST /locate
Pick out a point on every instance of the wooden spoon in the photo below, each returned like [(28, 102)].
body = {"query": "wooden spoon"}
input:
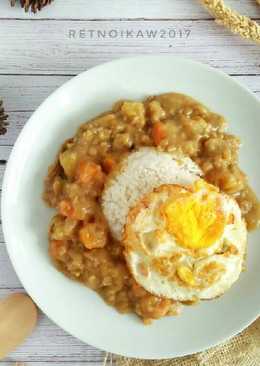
[(18, 317)]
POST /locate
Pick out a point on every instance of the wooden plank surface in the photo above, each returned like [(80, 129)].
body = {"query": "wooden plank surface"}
[(69, 47), (5, 152), (8, 277), (104, 9), (38, 53)]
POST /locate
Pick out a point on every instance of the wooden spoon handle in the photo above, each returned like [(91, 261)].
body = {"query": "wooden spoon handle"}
[(18, 317)]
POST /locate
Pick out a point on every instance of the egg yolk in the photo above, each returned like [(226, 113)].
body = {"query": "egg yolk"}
[(195, 217)]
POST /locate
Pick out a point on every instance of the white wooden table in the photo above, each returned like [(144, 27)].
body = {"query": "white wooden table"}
[(40, 52)]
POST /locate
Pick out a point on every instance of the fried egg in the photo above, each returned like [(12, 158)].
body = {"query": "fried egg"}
[(185, 242)]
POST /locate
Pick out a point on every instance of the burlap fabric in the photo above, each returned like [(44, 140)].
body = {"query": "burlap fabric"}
[(242, 350)]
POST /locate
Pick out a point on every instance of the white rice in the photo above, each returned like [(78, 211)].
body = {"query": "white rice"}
[(140, 173)]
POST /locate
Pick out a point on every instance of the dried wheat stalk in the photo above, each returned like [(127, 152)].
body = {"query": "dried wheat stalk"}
[(33, 5), (231, 19)]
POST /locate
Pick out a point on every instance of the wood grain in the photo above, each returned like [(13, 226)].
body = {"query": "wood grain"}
[(5, 152), (100, 9), (52, 49), (8, 277), (53, 363), (12, 362)]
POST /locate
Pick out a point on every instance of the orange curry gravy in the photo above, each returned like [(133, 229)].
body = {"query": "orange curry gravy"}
[(80, 243)]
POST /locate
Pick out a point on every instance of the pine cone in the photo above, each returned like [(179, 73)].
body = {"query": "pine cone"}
[(33, 5), (3, 118)]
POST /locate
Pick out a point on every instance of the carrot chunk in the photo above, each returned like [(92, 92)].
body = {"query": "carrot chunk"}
[(158, 132), (88, 172), (93, 235), (108, 164)]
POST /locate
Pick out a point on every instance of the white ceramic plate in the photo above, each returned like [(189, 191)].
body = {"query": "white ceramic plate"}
[(25, 218)]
